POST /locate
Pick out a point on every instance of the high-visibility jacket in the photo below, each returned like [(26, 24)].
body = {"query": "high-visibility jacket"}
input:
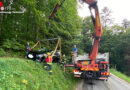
[(49, 59), (1, 4)]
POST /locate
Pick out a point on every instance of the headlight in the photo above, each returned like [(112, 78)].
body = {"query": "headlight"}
[(30, 56)]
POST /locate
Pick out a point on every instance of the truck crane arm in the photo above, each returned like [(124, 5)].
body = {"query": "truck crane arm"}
[(55, 9), (98, 30)]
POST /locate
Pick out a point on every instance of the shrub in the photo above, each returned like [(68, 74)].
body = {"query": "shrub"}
[(2, 52), (13, 44)]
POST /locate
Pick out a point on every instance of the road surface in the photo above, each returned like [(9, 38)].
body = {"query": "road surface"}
[(113, 83)]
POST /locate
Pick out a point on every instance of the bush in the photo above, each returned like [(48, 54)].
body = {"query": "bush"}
[(2, 52), (13, 44)]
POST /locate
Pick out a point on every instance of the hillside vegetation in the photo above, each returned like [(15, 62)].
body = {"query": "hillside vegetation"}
[(22, 74)]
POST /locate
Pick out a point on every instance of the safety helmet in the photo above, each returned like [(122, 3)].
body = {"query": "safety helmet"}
[(48, 53)]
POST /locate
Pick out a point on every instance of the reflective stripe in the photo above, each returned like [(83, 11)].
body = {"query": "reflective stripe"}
[(86, 68), (50, 71), (49, 63), (82, 68), (50, 58), (45, 66), (98, 21)]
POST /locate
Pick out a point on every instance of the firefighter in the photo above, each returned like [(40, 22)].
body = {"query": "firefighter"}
[(74, 54), (48, 64), (64, 59), (27, 48)]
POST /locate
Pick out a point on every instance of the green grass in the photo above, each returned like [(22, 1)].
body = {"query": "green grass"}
[(120, 75), (14, 70)]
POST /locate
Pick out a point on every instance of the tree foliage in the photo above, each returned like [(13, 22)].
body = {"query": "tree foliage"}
[(106, 17), (34, 23), (126, 23)]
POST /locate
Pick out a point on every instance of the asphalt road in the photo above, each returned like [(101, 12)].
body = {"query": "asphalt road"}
[(113, 83)]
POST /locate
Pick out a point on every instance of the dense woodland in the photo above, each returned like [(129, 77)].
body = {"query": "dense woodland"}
[(34, 24)]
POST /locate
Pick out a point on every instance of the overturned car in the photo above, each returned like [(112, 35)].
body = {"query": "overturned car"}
[(40, 56)]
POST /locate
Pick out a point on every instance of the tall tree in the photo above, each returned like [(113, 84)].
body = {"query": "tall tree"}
[(106, 17), (126, 23), (87, 30)]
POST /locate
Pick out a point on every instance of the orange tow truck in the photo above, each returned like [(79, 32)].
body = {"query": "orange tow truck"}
[(82, 70)]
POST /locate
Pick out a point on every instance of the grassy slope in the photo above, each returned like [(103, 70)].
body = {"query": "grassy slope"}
[(120, 75), (13, 71)]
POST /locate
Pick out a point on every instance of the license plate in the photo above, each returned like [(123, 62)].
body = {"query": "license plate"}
[(85, 63)]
